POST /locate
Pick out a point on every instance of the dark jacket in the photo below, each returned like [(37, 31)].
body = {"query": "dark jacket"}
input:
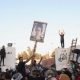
[(3, 53)]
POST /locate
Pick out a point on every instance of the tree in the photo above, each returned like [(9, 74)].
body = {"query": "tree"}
[(23, 54), (37, 56)]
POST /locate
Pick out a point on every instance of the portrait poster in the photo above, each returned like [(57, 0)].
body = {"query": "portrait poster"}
[(61, 58), (38, 31)]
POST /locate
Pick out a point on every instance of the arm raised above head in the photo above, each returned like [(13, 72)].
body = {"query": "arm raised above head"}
[(40, 60), (61, 32), (29, 59)]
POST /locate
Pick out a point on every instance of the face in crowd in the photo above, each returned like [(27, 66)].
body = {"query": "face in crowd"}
[(21, 59)]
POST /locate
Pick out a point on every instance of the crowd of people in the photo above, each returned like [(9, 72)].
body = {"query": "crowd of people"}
[(35, 71)]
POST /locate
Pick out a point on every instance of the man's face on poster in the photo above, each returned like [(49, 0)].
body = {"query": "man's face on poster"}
[(38, 30)]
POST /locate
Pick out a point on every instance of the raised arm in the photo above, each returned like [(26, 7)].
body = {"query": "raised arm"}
[(29, 59), (61, 32), (40, 60)]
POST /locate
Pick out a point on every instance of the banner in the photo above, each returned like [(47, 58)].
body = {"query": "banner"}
[(61, 58), (38, 31), (10, 59)]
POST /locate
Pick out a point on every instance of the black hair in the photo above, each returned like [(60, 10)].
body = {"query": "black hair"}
[(20, 58)]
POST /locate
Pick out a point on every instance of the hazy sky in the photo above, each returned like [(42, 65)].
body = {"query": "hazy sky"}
[(17, 17)]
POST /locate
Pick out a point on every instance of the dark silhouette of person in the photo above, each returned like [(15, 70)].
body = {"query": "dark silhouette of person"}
[(61, 38), (3, 54), (21, 66)]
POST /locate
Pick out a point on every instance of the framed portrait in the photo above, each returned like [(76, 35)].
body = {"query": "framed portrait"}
[(38, 31)]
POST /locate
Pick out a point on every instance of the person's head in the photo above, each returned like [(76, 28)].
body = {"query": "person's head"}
[(21, 59), (7, 70), (39, 28), (36, 73), (34, 62), (3, 47)]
